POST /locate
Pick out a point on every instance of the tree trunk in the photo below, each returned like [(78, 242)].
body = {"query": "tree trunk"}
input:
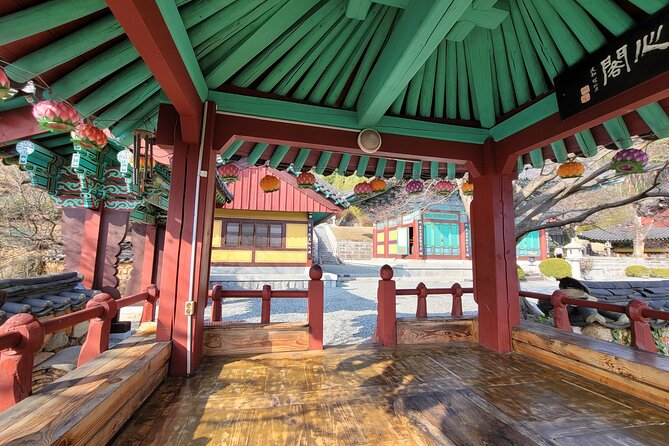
[(639, 237)]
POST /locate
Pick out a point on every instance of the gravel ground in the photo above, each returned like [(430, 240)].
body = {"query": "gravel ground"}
[(350, 309)]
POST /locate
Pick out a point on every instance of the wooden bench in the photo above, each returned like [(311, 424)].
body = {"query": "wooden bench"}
[(642, 374), (90, 404)]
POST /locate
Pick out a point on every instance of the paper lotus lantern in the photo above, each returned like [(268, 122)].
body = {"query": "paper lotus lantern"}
[(89, 136), (270, 183), (378, 184), (228, 172), (54, 116), (414, 187), (467, 189), (5, 86), (443, 187), (571, 169), (629, 161), (306, 180), (363, 189)]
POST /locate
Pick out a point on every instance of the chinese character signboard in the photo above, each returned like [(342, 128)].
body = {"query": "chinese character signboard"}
[(634, 57)]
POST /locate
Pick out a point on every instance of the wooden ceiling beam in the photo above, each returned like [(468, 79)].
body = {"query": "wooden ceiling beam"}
[(231, 128), (421, 27), (146, 28), (18, 124), (553, 128)]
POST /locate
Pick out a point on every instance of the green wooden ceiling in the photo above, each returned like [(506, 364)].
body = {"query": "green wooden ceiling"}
[(467, 63)]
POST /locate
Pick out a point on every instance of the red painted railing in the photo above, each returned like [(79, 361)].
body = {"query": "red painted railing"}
[(23, 334), (637, 311), (314, 296), (387, 300)]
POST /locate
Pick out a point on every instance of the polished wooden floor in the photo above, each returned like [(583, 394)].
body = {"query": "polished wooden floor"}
[(459, 394)]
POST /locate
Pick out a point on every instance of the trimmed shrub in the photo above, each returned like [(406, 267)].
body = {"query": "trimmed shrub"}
[(557, 268), (637, 271), (521, 273), (660, 273)]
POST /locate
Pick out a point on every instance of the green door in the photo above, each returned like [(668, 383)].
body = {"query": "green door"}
[(442, 239)]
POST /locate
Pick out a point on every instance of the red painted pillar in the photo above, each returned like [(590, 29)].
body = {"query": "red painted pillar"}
[(144, 258), (494, 259), (463, 241), (186, 256), (543, 245)]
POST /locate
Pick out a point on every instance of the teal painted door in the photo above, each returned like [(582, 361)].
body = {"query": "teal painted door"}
[(442, 239), (529, 245)]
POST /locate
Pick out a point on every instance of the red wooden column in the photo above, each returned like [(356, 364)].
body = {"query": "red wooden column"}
[(186, 256), (494, 257)]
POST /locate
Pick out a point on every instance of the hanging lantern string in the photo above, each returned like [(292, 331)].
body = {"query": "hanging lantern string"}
[(40, 83)]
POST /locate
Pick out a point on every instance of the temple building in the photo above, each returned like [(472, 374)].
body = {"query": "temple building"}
[(440, 232), (255, 228)]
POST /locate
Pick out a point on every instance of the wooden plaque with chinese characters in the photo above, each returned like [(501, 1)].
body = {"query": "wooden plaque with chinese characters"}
[(632, 58)]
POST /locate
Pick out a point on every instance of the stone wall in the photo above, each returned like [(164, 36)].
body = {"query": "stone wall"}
[(354, 249), (612, 268)]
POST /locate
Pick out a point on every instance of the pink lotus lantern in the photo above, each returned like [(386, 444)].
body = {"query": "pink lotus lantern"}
[(306, 180), (443, 187), (414, 187), (228, 173), (89, 137), (363, 189), (54, 116), (4, 86), (629, 161)]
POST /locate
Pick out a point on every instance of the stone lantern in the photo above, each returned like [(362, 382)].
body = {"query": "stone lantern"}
[(573, 254)]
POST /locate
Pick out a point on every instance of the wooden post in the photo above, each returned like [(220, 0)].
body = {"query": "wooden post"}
[(144, 253), (494, 258), (16, 365), (216, 308), (97, 339), (456, 308), (187, 251), (386, 310), (642, 337), (266, 302), (315, 308), (560, 313), (149, 307), (421, 306)]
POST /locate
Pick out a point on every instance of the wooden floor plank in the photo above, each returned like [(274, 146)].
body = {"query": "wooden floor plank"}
[(443, 394)]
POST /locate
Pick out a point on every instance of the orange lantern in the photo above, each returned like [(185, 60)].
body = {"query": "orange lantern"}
[(306, 180), (270, 183), (54, 116), (467, 189), (571, 169), (88, 136), (378, 184)]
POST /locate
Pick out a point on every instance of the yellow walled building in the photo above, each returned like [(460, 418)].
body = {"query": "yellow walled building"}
[(267, 229)]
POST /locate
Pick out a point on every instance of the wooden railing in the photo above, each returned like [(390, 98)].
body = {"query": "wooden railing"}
[(23, 334), (314, 296), (637, 311), (387, 301)]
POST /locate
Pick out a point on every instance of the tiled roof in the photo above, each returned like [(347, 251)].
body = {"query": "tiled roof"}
[(623, 234)]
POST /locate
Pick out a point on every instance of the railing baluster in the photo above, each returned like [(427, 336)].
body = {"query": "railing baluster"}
[(421, 307), (315, 308), (99, 328), (216, 308), (16, 364), (642, 337), (560, 313), (456, 291), (387, 312), (266, 299), (149, 307)]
